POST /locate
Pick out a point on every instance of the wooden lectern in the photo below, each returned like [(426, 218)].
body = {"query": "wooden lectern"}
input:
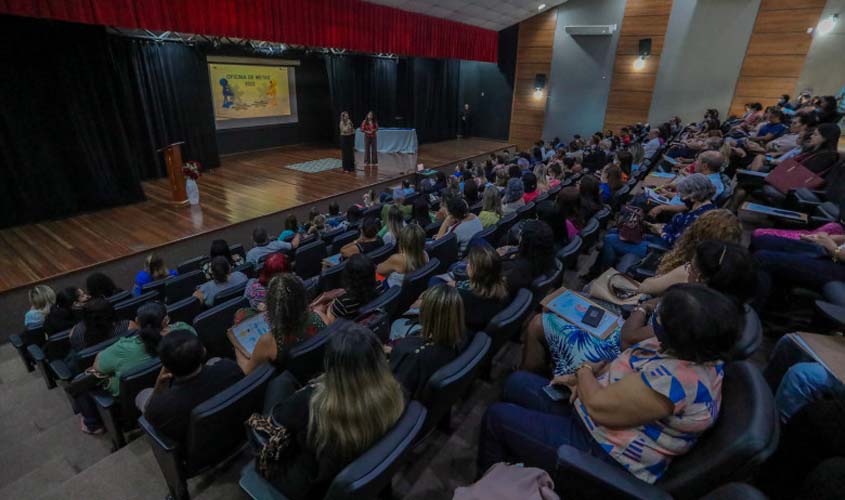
[(173, 160)]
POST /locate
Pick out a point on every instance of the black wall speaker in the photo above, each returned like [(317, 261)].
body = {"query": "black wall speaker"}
[(645, 47), (539, 81)]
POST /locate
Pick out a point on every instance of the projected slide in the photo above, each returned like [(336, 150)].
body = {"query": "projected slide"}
[(248, 95)]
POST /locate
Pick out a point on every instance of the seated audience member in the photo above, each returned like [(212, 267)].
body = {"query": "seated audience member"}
[(529, 186), (222, 277), (491, 208), (368, 240), (534, 258), (220, 248), (470, 191), (335, 219), (338, 416), (543, 181), (421, 214), (772, 129), (626, 163), (611, 178), (513, 198), (569, 207), (256, 288), (291, 229), (370, 199), (392, 226), (696, 191), (797, 379), (398, 202), (41, 301), (154, 269), (183, 383), (724, 267), (317, 226), (710, 165), (409, 257), (485, 292), (120, 357), (98, 324), (461, 221), (659, 395), (100, 286), (652, 144), (263, 245), (548, 212), (719, 225), (436, 341), (65, 312), (290, 319), (590, 192), (360, 287)]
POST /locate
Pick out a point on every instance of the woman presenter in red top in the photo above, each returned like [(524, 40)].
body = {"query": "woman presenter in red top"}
[(369, 127)]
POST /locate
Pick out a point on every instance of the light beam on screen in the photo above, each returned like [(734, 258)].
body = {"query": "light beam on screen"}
[(252, 92)]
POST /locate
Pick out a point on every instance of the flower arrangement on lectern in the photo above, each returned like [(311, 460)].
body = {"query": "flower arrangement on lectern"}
[(192, 171)]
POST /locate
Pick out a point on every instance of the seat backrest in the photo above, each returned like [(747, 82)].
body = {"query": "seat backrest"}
[(330, 235), (237, 248), (589, 235), (541, 198), (368, 475), (745, 435), (374, 210), (548, 282), (332, 277), (568, 255), (476, 208), (487, 234), (57, 345), (128, 308), (155, 286), (448, 384), (305, 360), (308, 259), (211, 327), (620, 197), (750, 337), (179, 287), (120, 297), (507, 323), (344, 239), (381, 253), (415, 283), (526, 212), (132, 382), (388, 301), (194, 264), (216, 428), (505, 224), (603, 216), (229, 293), (432, 229), (445, 250), (184, 310)]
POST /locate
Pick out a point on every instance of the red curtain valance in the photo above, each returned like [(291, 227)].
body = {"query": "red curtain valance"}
[(347, 24)]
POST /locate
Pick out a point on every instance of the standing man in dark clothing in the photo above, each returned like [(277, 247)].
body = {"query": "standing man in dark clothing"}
[(465, 124)]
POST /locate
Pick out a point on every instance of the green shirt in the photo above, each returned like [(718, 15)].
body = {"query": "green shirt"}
[(122, 356), (406, 210), (488, 219)]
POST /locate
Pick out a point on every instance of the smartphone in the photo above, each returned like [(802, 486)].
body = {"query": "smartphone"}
[(554, 393), (593, 316)]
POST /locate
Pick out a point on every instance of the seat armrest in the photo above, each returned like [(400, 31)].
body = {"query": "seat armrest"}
[(832, 311), (61, 370), (36, 353), (162, 442), (16, 341), (807, 197), (103, 399), (573, 463), (83, 382), (657, 247)]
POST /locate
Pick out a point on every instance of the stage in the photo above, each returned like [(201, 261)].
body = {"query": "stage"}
[(244, 187)]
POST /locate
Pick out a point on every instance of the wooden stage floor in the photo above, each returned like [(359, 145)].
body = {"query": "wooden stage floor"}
[(245, 186)]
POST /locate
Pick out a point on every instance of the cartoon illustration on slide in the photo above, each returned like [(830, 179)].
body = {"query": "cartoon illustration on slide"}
[(228, 93), (271, 92)]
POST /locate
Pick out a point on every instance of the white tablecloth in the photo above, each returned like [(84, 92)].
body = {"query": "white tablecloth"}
[(391, 140)]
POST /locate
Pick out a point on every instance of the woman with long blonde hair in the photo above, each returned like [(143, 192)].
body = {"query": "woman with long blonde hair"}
[(413, 359), (411, 255), (485, 293), (491, 207), (542, 179), (339, 415), (718, 225)]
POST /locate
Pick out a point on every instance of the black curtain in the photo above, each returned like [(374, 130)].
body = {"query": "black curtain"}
[(68, 140), (170, 86), (414, 92)]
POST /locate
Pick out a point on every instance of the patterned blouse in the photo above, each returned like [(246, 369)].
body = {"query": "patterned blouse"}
[(673, 230), (694, 389)]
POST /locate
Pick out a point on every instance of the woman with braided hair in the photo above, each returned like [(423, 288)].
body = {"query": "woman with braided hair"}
[(290, 319)]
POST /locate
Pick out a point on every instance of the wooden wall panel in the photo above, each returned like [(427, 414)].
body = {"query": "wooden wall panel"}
[(631, 90), (533, 56), (776, 52)]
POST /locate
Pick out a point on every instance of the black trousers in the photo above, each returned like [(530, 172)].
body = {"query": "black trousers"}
[(370, 150), (347, 150)]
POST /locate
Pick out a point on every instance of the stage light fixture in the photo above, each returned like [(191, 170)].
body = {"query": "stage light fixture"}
[(639, 63), (827, 24), (538, 94), (541, 6)]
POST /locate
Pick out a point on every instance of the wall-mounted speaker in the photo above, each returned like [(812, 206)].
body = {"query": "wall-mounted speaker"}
[(645, 47)]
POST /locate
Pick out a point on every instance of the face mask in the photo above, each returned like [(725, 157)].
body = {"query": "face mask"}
[(689, 203)]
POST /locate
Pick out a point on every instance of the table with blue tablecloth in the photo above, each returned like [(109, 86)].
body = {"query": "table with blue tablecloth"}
[(391, 140)]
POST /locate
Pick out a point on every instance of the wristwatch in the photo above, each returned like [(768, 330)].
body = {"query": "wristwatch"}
[(585, 365)]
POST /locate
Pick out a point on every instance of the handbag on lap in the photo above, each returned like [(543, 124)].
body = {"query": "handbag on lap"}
[(616, 288), (791, 174)]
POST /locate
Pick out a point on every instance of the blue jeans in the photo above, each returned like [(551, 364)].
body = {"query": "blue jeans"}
[(88, 409), (614, 248), (529, 427), (797, 379), (790, 263)]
